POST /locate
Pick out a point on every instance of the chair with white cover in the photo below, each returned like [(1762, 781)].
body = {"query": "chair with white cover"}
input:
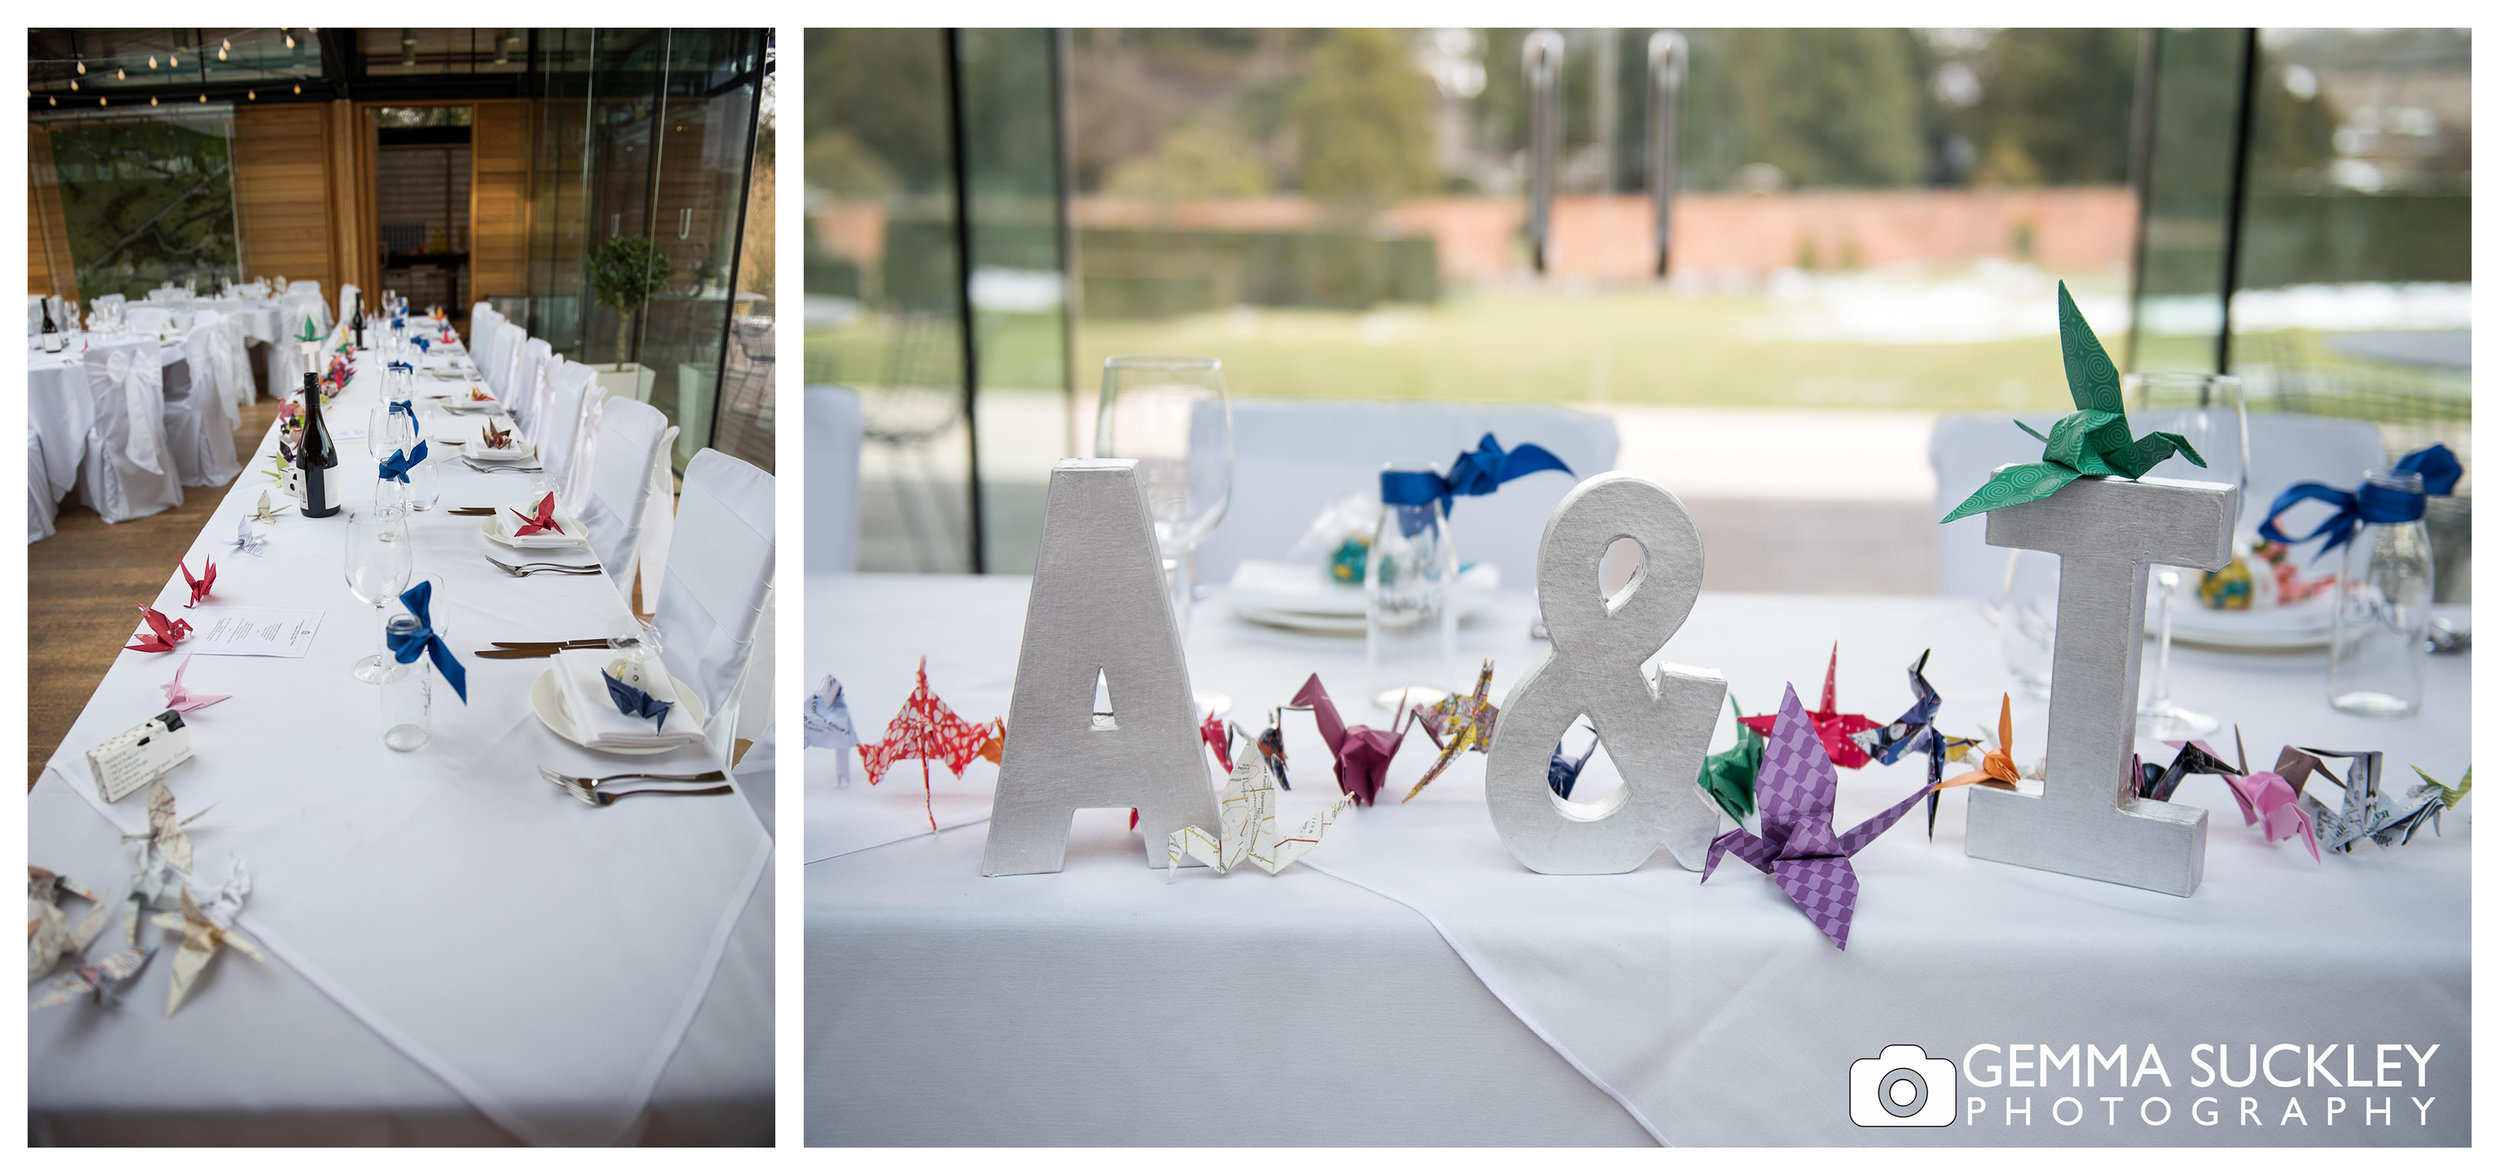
[(833, 437), (1291, 458), (347, 301), (304, 286), (754, 773), (234, 359), (520, 399), (40, 509), (632, 435), (2283, 448), (128, 471), (717, 583), (200, 417), (558, 427), (485, 324)]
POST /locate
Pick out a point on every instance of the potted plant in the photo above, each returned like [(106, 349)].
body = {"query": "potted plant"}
[(624, 274)]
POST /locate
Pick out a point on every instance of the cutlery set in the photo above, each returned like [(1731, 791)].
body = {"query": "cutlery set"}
[(586, 788)]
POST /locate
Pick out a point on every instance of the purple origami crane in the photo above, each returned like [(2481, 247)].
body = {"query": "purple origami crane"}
[(1797, 847), (1362, 753)]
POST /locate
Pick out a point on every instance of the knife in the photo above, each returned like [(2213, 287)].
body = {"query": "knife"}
[(515, 654), (585, 643)]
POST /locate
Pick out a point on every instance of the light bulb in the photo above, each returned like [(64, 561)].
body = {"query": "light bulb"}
[(226, 44), (290, 40), (221, 55), (82, 67), (120, 74), (174, 60), (251, 95), (104, 102), (53, 101), (203, 96), (151, 101), (73, 83), (151, 61), (299, 87)]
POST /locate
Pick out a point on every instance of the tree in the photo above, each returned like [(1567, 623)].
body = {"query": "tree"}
[(1363, 121), (1193, 163)]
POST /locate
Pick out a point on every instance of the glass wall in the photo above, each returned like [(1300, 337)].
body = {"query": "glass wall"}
[(145, 198)]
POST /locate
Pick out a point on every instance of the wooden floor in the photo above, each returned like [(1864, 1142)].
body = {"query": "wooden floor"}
[(81, 588)]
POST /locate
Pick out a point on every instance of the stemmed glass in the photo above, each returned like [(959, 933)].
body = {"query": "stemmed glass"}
[(379, 564), (1171, 414), (2209, 411)]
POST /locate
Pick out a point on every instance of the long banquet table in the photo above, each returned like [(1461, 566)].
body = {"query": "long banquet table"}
[(456, 950), (1410, 983)]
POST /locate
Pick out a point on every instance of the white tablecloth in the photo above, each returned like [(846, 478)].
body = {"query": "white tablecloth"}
[(457, 949), (1711, 1014), (60, 407)]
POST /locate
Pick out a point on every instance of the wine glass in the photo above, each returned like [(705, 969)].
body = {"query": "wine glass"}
[(1171, 414), (2208, 411), (379, 564)]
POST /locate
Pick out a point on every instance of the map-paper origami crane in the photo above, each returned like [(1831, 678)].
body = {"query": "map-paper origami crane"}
[(164, 850), (104, 979), (1797, 847), (1248, 827), (828, 724), (2362, 808), (926, 730), (2429, 800), (1458, 724), (2094, 441), (1837, 730), (1362, 753), (49, 937), (203, 935)]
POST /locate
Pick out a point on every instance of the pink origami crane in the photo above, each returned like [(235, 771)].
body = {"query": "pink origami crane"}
[(544, 520), (1834, 727), (179, 697), (2271, 800), (1363, 753), (926, 729), (201, 583), (162, 632), (1212, 731)]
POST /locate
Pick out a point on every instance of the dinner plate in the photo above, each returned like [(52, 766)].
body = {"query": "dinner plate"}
[(572, 534), (1302, 622), (463, 404), (547, 702), (475, 450), (2306, 625)]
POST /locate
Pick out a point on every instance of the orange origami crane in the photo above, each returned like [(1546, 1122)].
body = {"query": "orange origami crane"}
[(1996, 769), (925, 730), (1834, 727)]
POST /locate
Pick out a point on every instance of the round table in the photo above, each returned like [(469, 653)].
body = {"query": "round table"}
[(60, 408)]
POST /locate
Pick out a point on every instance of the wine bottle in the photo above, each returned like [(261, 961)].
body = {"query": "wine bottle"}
[(49, 328), (316, 455), (362, 342)]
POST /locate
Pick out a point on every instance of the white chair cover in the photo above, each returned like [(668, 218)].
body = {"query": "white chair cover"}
[(659, 513), (494, 364), (128, 472), (833, 432), (234, 364), (516, 345), (1293, 457), (304, 286), (585, 455), (294, 309), (485, 323), (147, 320), (198, 431), (631, 436), (755, 773), (529, 357), (714, 590), (558, 427), (347, 301), (40, 508)]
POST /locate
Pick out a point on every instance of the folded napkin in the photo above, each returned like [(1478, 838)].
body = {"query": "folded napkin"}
[(596, 718)]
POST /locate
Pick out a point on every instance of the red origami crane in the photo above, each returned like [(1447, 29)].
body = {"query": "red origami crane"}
[(201, 583), (544, 520), (1212, 730), (163, 633), (1833, 727), (1363, 753), (925, 730)]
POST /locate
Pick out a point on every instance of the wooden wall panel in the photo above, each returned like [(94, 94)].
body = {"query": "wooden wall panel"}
[(499, 216), (283, 194), (47, 233)]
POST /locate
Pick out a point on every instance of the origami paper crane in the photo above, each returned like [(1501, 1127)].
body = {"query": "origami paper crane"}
[(2439, 471), (634, 702), (1211, 733), (828, 724), (263, 514), (395, 467), (2362, 809), (2194, 759), (201, 583), (1479, 471), (2094, 441), (1562, 773), (2267, 800), (1271, 745), (247, 540), (310, 333), (164, 849), (202, 936), (1915, 732), (104, 979), (1362, 753), (183, 699), (1727, 777), (49, 936), (925, 730), (2429, 800), (497, 438), (1246, 827), (1797, 847), (1457, 724), (543, 520), (162, 633), (1833, 727), (1996, 768)]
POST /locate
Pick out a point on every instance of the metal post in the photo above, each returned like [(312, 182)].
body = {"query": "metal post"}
[(956, 137), (2140, 168), (2235, 222)]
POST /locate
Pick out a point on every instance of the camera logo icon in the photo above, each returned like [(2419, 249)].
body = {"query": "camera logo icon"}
[(1901, 1087)]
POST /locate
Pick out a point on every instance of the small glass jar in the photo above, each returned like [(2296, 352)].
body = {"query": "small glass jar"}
[(2382, 611), (1410, 621), (407, 691)]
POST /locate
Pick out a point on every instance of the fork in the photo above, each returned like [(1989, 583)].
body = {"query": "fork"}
[(586, 789), (501, 469), (549, 569), (588, 567)]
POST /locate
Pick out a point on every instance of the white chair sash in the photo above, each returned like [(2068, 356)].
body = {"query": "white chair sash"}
[(714, 590), (135, 373)]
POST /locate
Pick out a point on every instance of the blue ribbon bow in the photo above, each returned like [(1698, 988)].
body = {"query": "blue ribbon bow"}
[(425, 346), (407, 647), (401, 365), (1479, 471), (406, 406), (2438, 468), (633, 702), (395, 467)]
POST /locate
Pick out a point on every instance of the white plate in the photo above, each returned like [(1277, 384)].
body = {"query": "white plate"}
[(460, 402), (547, 701), (1333, 626), (1272, 586), (2306, 625), (475, 450), (572, 534)]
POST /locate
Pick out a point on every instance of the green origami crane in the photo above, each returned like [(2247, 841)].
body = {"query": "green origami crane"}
[(2092, 442), (312, 334), (1727, 776)]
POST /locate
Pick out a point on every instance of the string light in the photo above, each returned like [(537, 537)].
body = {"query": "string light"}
[(53, 101), (299, 87), (251, 95), (151, 61), (174, 60), (73, 83), (151, 101), (221, 53), (226, 44), (82, 67), (120, 74), (104, 102), (290, 40), (203, 95)]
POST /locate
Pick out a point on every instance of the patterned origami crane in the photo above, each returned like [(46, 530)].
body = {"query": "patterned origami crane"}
[(1562, 773), (183, 699), (49, 937), (1211, 732), (634, 702), (1915, 732), (1996, 768), (925, 730), (201, 583), (162, 633), (2362, 809), (1727, 777), (1457, 724), (104, 979), (2193, 759), (1834, 728), (164, 853), (1362, 753), (497, 438), (828, 724), (1797, 847), (2094, 441), (248, 541), (1271, 745), (1247, 827), (2429, 800), (202, 935)]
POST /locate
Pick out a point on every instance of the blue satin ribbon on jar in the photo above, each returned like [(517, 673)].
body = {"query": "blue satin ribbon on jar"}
[(401, 365), (2437, 467), (406, 406), (395, 467), (406, 648), (1481, 470), (425, 346)]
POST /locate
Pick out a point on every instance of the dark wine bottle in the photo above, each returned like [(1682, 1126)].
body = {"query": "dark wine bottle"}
[(361, 340), (49, 329), (316, 455)]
